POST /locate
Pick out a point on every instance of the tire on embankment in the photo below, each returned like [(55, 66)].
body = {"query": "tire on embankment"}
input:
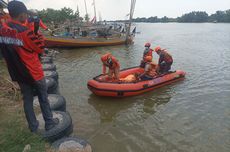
[(49, 67), (62, 129), (46, 60), (70, 144), (57, 102), (51, 74), (52, 86)]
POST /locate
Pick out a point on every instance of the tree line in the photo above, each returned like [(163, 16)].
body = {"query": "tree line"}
[(60, 16), (192, 17)]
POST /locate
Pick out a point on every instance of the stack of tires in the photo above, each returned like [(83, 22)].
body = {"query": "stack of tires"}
[(59, 134)]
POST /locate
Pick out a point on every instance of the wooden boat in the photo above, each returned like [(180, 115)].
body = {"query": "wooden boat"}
[(53, 41), (123, 89)]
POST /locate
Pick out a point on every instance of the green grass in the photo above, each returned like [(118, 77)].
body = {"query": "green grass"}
[(14, 137), (14, 134)]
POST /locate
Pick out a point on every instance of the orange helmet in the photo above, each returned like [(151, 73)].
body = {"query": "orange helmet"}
[(105, 57), (158, 48), (148, 58), (147, 44)]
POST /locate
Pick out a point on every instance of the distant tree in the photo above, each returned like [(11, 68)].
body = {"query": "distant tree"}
[(57, 16), (164, 19), (60, 16), (228, 16), (194, 17), (221, 16), (77, 13), (87, 17), (152, 19), (67, 13)]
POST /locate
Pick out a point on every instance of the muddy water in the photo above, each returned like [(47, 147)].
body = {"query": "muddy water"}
[(191, 115)]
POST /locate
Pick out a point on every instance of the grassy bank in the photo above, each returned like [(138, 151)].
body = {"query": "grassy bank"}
[(14, 134)]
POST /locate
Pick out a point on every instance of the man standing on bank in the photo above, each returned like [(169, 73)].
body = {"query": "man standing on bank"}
[(20, 48)]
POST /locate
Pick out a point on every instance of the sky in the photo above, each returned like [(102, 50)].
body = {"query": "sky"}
[(118, 9)]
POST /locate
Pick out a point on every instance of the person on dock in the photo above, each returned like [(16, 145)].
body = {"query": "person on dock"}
[(20, 48), (150, 69), (165, 60), (34, 22), (112, 63), (147, 52)]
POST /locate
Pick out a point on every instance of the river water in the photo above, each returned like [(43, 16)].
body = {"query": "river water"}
[(192, 115)]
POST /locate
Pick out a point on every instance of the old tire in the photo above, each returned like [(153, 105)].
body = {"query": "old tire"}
[(49, 67), (46, 60), (71, 144), (62, 129), (57, 102), (52, 86), (51, 74)]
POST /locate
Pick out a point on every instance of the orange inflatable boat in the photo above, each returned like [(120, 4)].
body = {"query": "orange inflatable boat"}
[(122, 89)]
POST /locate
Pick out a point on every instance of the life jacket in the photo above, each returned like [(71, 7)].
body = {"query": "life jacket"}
[(112, 63), (165, 56), (147, 52), (20, 48), (34, 23), (151, 69), (10, 40)]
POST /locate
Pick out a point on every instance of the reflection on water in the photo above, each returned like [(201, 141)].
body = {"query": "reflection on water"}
[(191, 115), (109, 108)]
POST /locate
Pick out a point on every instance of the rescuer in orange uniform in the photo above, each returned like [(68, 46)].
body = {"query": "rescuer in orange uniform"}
[(147, 52), (165, 60), (150, 69), (34, 22), (112, 63)]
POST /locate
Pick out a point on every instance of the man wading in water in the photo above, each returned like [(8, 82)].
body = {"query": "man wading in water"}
[(20, 48)]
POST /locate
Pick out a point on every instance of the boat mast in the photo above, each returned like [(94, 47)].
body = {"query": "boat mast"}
[(133, 2), (86, 9), (95, 15), (100, 18)]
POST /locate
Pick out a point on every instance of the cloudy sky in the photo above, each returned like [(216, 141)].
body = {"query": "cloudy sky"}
[(118, 9)]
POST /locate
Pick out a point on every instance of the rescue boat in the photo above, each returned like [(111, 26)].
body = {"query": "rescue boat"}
[(123, 89)]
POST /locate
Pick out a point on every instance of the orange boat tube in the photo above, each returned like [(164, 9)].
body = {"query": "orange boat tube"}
[(124, 89)]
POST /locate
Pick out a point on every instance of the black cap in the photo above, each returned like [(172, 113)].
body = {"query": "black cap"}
[(15, 8)]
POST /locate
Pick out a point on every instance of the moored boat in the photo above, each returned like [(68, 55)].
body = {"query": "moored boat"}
[(123, 89), (53, 41)]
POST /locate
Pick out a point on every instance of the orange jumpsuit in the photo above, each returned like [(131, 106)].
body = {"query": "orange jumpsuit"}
[(113, 65)]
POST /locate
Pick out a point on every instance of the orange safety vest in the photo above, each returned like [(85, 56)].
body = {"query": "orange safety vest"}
[(166, 57), (148, 52), (111, 62)]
